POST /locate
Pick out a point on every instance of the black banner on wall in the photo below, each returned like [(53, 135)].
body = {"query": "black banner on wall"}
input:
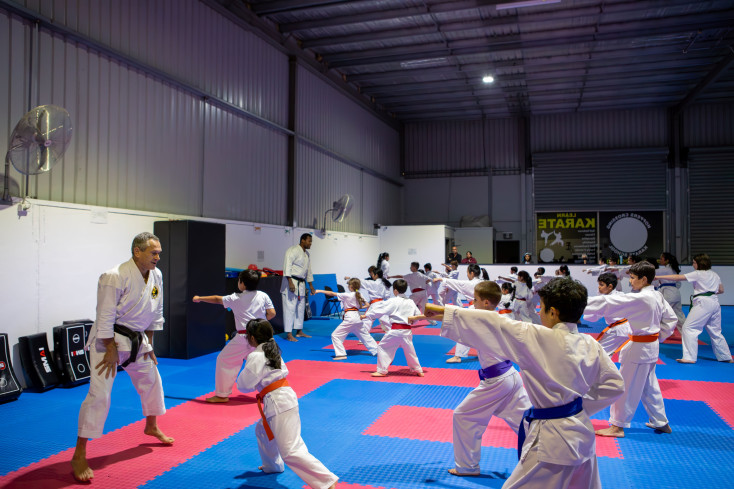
[(565, 237), (632, 233)]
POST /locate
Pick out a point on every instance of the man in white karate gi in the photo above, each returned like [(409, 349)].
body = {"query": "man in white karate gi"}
[(129, 310), (296, 272)]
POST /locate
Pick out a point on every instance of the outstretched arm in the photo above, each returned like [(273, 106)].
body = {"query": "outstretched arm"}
[(674, 278), (210, 299), (330, 293)]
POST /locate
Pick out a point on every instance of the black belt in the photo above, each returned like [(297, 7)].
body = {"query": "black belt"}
[(298, 279), (135, 338)]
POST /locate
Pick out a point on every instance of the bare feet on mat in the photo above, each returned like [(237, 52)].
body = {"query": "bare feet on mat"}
[(340, 358), (662, 429), (420, 374), (456, 472), (156, 432), (683, 360), (301, 334), (613, 431), (81, 469), (217, 399), (454, 360), (333, 486), (290, 337), (378, 374), (260, 468), (727, 361)]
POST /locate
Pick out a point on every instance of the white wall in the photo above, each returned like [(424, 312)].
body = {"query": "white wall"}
[(51, 258), (406, 244), (480, 241)]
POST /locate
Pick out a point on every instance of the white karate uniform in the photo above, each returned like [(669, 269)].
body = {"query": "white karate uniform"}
[(297, 264), (385, 267), (397, 310), (558, 365), (281, 410), (124, 298), (432, 288), (671, 292), (466, 288), (448, 295), (705, 313), (503, 396), (416, 280), (377, 290), (613, 336), (507, 306), (248, 305), (523, 302), (351, 323), (648, 314)]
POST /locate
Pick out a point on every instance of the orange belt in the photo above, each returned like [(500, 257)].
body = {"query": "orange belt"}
[(615, 323), (471, 303), (505, 311), (400, 326), (648, 338), (261, 395), (375, 300), (351, 309)]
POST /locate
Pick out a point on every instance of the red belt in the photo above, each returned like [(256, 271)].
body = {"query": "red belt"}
[(375, 300), (505, 311), (648, 338), (519, 299), (471, 303), (401, 326), (261, 395), (417, 290), (615, 323)]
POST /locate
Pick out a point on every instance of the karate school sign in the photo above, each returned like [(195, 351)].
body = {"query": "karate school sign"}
[(566, 236)]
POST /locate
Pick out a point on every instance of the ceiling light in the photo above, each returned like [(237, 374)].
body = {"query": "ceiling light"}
[(488, 79), (525, 3)]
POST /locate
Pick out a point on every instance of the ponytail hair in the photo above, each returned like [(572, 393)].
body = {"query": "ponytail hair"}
[(485, 275), (380, 258), (672, 262), (262, 332), (524, 276), (355, 285), (474, 269), (385, 281)]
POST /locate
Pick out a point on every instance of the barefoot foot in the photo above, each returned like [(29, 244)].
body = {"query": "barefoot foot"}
[(81, 469), (662, 429), (420, 374), (454, 360), (301, 334), (340, 358), (290, 337), (156, 432), (216, 399), (612, 431), (456, 472), (378, 374), (683, 360)]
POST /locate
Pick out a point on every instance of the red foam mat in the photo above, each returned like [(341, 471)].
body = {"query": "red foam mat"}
[(437, 425)]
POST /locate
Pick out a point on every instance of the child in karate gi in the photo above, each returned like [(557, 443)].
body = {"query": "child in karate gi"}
[(652, 321), (432, 287), (351, 301), (447, 295), (618, 330), (249, 304), (474, 275), (705, 311), (379, 289), (670, 289), (507, 301), (417, 282), (279, 431), (523, 296), (397, 309), (567, 376)]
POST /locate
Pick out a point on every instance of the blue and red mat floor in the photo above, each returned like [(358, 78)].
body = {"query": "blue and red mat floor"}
[(392, 432)]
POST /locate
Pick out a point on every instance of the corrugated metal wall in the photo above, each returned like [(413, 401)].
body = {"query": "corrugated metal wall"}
[(595, 130), (708, 125), (461, 147), (176, 109)]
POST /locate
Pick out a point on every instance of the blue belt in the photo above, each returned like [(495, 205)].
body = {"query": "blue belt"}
[(494, 370), (558, 412)]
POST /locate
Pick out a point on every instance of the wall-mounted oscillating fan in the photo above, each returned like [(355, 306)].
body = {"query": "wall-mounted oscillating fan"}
[(38, 142), (339, 210)]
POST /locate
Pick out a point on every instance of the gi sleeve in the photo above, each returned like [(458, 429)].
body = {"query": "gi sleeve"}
[(608, 386), (668, 322), (109, 292), (157, 324)]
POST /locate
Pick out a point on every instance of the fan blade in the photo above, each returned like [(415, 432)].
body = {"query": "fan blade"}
[(40, 139)]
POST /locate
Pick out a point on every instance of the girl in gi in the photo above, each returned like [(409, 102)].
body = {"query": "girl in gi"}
[(474, 275), (351, 301), (383, 263), (379, 289), (507, 301), (397, 309), (249, 304), (447, 295), (670, 289), (523, 297), (279, 431), (705, 310)]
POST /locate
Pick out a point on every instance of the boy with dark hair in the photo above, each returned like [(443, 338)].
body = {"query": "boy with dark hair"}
[(652, 320), (417, 282), (560, 367), (248, 304), (397, 309), (618, 331)]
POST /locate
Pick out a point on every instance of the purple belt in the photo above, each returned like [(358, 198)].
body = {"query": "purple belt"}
[(495, 370)]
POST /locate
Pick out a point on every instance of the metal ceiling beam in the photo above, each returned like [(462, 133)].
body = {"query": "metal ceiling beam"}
[(493, 47), (276, 6), (710, 79)]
